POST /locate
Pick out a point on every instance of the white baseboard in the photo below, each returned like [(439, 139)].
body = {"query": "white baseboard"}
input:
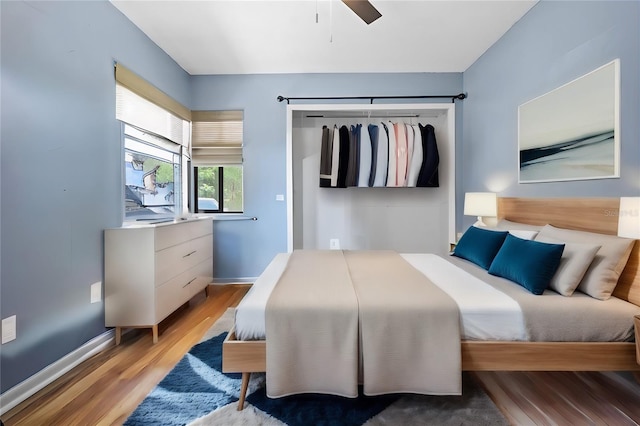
[(42, 378), (241, 280)]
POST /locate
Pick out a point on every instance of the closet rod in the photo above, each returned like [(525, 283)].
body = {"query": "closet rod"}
[(453, 97), (350, 117)]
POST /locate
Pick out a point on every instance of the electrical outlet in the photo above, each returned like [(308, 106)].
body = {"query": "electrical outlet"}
[(279, 197), (96, 292), (334, 244), (8, 329)]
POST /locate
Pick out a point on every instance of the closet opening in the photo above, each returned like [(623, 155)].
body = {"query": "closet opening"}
[(405, 219)]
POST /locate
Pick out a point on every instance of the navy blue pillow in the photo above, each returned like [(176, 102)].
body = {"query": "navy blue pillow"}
[(479, 245), (531, 264)]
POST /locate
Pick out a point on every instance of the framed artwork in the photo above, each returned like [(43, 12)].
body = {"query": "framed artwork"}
[(572, 132)]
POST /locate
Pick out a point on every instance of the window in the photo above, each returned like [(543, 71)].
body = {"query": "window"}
[(153, 176), (218, 189), (217, 138), (157, 135)]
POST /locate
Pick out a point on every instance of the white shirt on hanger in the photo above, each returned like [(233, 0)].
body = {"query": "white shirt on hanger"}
[(401, 141), (416, 157), (335, 157), (382, 164), (365, 157), (392, 179)]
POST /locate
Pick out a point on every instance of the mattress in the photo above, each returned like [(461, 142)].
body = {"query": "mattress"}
[(250, 321), (551, 317), (485, 312), (491, 308)]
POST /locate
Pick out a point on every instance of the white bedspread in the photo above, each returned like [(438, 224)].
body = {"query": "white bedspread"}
[(250, 313), (486, 313)]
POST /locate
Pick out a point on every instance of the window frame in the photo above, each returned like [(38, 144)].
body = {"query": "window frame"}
[(142, 106), (148, 144), (220, 190)]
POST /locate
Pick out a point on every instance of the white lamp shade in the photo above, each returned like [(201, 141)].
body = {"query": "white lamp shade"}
[(480, 204), (629, 217)]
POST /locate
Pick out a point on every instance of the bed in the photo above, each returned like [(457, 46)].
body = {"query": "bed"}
[(510, 353)]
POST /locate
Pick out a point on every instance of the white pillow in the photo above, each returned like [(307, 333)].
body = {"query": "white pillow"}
[(520, 230), (602, 275), (517, 229), (521, 233), (576, 259), (507, 225)]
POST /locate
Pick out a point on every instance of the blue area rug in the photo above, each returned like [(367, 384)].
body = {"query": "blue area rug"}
[(197, 392), (195, 387)]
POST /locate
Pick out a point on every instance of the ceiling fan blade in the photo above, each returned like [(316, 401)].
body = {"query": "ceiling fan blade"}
[(364, 9)]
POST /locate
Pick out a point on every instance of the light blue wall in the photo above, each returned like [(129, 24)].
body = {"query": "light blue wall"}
[(60, 143), (243, 248), (61, 150), (61, 158), (556, 42)]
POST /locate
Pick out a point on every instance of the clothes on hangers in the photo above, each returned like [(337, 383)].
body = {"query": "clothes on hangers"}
[(373, 137), (326, 155), (382, 160), (343, 164), (365, 158), (402, 152), (416, 157), (391, 155), (429, 171), (335, 156), (392, 171), (353, 171)]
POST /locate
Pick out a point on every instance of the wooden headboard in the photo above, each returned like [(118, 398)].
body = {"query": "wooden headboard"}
[(583, 214)]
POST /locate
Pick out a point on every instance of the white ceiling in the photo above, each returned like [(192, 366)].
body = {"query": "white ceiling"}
[(255, 37)]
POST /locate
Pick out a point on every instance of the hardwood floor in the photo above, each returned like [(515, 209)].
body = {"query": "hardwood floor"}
[(105, 389), (564, 398)]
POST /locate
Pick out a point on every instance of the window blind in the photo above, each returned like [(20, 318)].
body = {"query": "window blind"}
[(217, 138), (142, 105)]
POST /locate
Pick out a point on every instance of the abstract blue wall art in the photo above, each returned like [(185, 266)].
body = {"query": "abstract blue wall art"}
[(572, 132)]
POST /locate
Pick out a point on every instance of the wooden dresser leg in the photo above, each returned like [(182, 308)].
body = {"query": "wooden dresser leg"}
[(118, 335), (154, 330), (243, 390)]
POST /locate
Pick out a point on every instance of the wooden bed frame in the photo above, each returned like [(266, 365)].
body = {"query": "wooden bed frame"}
[(585, 214)]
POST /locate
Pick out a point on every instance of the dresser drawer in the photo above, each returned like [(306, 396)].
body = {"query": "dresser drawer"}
[(167, 236), (174, 260), (178, 290)]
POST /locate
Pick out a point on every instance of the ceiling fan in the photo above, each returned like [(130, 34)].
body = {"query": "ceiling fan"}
[(364, 9)]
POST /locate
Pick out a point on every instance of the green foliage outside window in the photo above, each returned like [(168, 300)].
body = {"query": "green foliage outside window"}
[(208, 182), (209, 186), (165, 171), (232, 188)]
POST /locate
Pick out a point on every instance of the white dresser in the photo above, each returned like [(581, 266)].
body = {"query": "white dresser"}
[(153, 269)]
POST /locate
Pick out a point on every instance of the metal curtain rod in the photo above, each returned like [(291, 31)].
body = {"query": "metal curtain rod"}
[(233, 217), (452, 97)]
